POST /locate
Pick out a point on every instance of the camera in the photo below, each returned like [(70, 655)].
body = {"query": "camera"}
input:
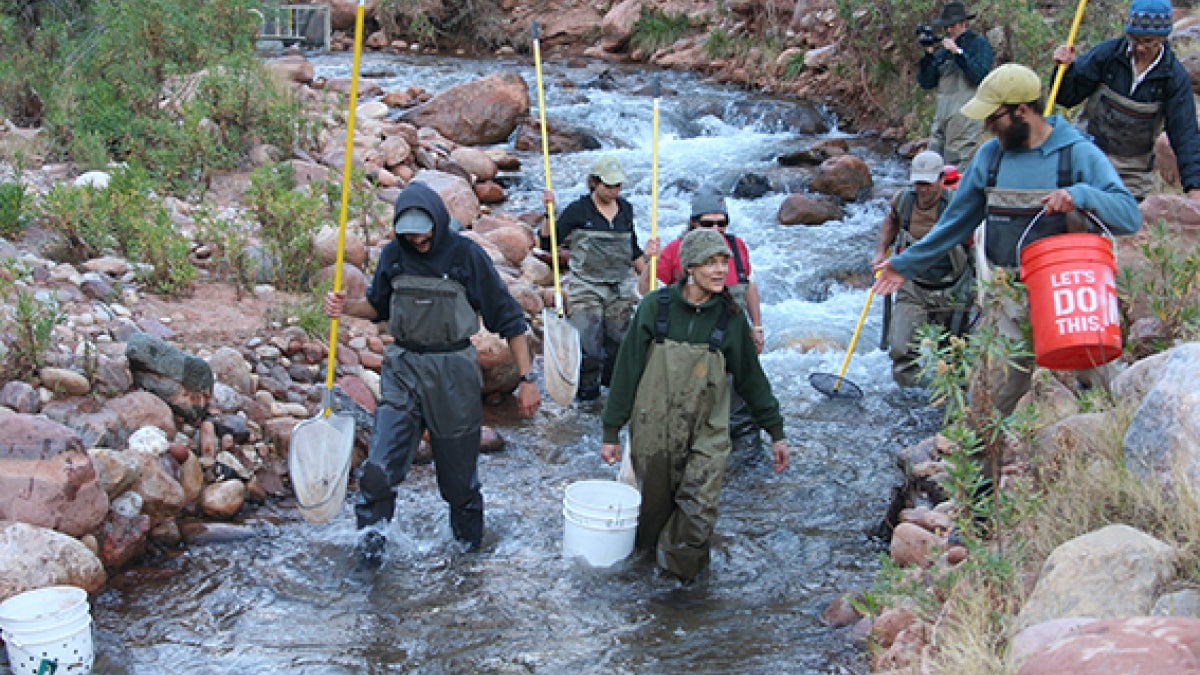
[(927, 35)]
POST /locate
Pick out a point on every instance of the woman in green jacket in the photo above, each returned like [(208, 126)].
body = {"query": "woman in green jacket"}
[(670, 384)]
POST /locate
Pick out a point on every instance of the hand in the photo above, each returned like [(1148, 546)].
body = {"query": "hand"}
[(335, 302), (610, 452), (1194, 194), (1064, 54), (528, 398), (887, 279), (781, 454), (1059, 201), (548, 198), (756, 334), (951, 46), (878, 258), (651, 248)]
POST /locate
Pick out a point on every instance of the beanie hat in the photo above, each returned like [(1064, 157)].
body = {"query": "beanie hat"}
[(701, 244), (708, 201), (1149, 17)]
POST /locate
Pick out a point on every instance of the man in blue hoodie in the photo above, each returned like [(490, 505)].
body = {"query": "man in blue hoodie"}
[(1034, 164), (431, 287)]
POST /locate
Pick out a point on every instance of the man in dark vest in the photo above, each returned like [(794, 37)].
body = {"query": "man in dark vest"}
[(431, 287), (943, 293), (1134, 86)]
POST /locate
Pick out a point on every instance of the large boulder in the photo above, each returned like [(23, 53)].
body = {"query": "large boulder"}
[(846, 176), (34, 557), (182, 380), (457, 193), (476, 113)]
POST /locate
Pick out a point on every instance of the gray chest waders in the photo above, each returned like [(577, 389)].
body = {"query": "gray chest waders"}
[(679, 437), (1123, 127), (601, 257), (1011, 213)]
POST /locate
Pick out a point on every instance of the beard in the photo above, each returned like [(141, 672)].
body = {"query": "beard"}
[(1016, 135)]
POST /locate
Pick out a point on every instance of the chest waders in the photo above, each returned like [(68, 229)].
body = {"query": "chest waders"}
[(600, 301), (430, 380), (1125, 130), (954, 135), (1010, 213), (679, 443)]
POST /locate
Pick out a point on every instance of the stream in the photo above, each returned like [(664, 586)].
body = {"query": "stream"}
[(278, 595)]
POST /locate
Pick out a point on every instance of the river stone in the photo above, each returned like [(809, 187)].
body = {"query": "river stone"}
[(35, 557), (116, 470), (223, 499), (149, 439)]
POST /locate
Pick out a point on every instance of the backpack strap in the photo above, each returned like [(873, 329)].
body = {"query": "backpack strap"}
[(1064, 167), (994, 169), (717, 338), (738, 263)]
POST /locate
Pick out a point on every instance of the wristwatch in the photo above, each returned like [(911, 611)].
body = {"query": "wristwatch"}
[(529, 377)]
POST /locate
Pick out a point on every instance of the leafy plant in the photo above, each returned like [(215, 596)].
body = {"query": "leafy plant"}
[(655, 29), (12, 209), (1168, 285), (288, 218), (28, 323)]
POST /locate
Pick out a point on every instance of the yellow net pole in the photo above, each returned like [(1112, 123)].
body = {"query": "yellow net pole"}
[(537, 65), (1062, 67)]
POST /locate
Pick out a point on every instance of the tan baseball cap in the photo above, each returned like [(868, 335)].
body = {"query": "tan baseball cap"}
[(608, 169), (927, 167), (1009, 84)]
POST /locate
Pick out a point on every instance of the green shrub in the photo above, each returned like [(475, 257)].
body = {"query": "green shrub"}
[(288, 218), (12, 209), (1168, 285), (28, 322), (655, 29)]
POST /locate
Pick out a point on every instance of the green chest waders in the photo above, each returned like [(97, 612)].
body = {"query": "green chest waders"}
[(679, 440)]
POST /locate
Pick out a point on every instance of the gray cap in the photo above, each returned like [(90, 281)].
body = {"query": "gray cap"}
[(413, 221), (927, 167), (701, 244), (608, 169), (708, 201)]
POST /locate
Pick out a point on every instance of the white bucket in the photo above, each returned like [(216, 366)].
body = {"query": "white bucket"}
[(48, 630), (600, 521)]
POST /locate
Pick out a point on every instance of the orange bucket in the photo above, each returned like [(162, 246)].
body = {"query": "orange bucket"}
[(1071, 279)]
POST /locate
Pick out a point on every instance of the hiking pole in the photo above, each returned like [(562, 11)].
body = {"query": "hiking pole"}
[(654, 186), (1062, 67)]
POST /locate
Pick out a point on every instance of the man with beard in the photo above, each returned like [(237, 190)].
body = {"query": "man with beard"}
[(1024, 183)]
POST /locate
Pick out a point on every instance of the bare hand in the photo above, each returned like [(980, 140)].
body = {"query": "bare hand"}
[(335, 302), (760, 341), (1059, 201), (528, 398), (781, 454), (878, 258), (610, 452), (887, 279), (548, 198), (950, 45), (651, 248), (1064, 54)]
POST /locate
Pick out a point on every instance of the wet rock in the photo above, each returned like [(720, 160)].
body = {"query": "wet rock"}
[(35, 557), (841, 612), (751, 186), (197, 533), (166, 533), (122, 539), (800, 208), (846, 177), (480, 112)]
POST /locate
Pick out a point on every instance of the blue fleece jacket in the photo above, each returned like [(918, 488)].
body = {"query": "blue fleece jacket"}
[(1097, 188)]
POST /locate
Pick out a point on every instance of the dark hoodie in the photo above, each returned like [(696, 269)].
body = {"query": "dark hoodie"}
[(451, 256)]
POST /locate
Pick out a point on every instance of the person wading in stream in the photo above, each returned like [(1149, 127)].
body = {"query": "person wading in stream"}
[(709, 210), (605, 260), (1034, 163), (943, 294), (1133, 86), (671, 385), (431, 286)]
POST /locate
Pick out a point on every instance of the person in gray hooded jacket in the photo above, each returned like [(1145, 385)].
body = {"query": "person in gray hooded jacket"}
[(431, 287)]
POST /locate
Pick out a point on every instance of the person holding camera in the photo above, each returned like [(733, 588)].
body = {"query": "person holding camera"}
[(954, 65)]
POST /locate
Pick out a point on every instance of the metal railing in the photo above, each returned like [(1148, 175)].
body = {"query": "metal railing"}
[(304, 25)]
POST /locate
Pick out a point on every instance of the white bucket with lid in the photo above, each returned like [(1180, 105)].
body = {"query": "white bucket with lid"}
[(600, 521), (48, 630)]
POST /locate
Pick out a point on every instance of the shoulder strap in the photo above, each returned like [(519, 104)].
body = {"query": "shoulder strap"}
[(1064, 167), (904, 207), (738, 263), (662, 319), (717, 337), (994, 168)]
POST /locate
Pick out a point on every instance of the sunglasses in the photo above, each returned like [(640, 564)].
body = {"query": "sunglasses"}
[(611, 186), (711, 222), (999, 114)]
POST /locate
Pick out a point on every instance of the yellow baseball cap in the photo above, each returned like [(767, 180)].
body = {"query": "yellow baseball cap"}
[(1009, 84)]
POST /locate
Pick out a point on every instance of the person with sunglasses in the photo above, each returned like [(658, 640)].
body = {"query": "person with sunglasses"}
[(605, 261), (709, 211), (1135, 87)]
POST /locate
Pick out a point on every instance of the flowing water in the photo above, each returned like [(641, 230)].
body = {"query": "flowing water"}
[(280, 597)]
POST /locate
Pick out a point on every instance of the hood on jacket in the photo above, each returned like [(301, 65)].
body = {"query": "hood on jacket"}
[(420, 196)]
